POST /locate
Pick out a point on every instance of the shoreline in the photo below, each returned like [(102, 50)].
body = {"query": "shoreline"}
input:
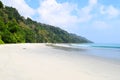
[(38, 61)]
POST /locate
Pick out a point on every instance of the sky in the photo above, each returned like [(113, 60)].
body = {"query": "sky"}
[(96, 20)]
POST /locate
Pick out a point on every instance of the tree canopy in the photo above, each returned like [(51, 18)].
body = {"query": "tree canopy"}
[(16, 29), (1, 4)]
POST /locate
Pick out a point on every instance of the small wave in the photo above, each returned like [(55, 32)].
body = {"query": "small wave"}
[(117, 46), (107, 46)]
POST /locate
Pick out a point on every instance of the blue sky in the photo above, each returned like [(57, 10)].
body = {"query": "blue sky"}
[(97, 20)]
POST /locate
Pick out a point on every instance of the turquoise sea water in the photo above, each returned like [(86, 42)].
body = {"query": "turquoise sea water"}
[(109, 51), (115, 46)]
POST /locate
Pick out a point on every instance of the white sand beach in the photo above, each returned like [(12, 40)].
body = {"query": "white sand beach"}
[(41, 62)]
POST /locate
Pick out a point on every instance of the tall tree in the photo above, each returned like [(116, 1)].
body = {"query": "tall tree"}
[(1, 4)]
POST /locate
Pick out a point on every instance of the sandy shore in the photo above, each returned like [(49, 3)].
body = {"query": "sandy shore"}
[(41, 62)]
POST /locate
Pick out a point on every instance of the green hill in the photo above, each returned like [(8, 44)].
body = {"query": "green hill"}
[(14, 28)]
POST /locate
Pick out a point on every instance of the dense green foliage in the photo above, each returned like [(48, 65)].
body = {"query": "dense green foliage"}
[(1, 4), (16, 29)]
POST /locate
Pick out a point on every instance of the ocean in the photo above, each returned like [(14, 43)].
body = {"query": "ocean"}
[(104, 51), (108, 51)]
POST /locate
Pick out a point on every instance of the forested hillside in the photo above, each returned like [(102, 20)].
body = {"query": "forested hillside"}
[(16, 29)]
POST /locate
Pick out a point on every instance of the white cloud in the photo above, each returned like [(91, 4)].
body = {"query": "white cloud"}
[(21, 6), (61, 14), (85, 12), (110, 11), (93, 2), (28, 0), (57, 14), (100, 25)]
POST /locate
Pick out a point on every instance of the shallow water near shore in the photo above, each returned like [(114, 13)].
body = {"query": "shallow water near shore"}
[(108, 51)]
